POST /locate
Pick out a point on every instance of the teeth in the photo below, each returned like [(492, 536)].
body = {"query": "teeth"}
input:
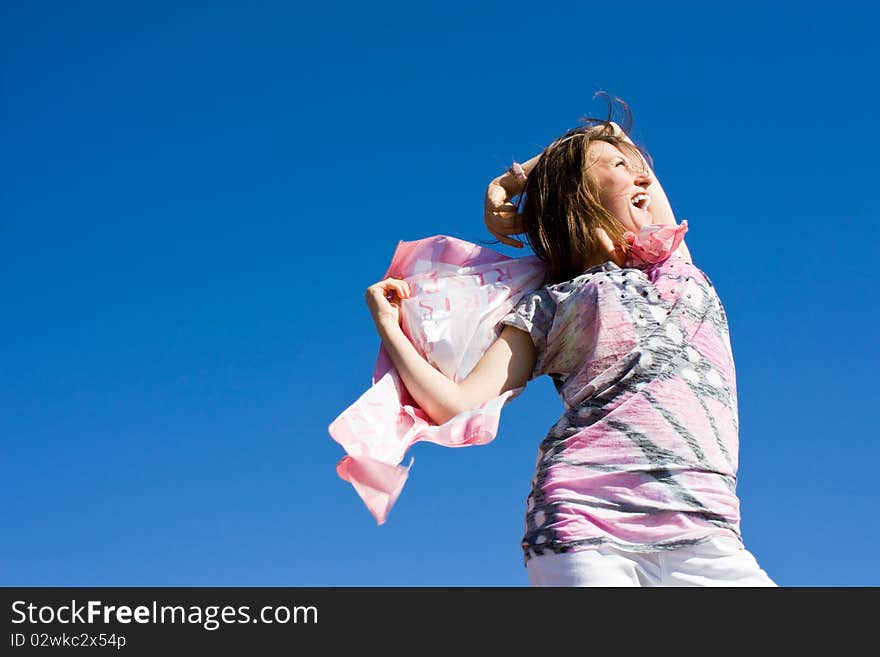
[(641, 201)]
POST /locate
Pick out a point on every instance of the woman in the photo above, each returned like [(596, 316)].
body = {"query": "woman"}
[(635, 483)]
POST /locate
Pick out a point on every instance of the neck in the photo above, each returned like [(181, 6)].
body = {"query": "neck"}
[(606, 250)]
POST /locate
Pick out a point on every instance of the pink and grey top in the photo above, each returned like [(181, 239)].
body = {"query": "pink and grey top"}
[(644, 456)]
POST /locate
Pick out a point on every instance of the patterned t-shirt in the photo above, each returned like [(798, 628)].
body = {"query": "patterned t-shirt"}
[(645, 455)]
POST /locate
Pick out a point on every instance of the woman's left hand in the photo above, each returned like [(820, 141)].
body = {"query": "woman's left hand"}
[(384, 299)]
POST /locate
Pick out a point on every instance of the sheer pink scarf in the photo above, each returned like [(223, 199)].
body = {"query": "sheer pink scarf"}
[(460, 292)]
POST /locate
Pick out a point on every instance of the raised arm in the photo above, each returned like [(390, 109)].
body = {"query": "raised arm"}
[(502, 220), (661, 209), (506, 365)]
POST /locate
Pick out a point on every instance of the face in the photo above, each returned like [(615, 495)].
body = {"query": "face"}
[(623, 183)]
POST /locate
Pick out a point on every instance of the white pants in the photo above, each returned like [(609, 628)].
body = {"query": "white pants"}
[(719, 561)]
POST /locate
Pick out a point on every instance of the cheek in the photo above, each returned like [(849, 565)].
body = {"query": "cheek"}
[(622, 183), (615, 191)]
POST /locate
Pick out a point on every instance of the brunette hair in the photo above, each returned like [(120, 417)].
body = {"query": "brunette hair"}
[(559, 205)]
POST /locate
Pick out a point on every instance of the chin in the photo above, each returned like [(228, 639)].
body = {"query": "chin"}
[(644, 220), (635, 224)]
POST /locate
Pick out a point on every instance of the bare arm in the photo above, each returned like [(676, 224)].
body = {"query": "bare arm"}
[(661, 209), (506, 365)]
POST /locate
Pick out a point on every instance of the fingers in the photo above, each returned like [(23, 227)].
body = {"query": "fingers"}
[(396, 288), (503, 231), (509, 241), (506, 224), (391, 289), (501, 216), (505, 238), (496, 196), (384, 300), (504, 208)]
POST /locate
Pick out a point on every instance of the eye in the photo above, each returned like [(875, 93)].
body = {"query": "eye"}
[(620, 163)]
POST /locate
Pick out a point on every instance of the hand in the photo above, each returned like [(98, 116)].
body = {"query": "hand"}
[(501, 215), (384, 298)]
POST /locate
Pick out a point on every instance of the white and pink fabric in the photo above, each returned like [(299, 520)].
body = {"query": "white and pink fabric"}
[(459, 293), (654, 243)]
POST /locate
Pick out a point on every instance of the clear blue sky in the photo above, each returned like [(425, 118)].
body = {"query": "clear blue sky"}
[(195, 196)]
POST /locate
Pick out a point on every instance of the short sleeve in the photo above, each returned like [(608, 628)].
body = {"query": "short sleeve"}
[(534, 314)]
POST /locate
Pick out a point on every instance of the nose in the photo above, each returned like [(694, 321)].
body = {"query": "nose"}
[(643, 179)]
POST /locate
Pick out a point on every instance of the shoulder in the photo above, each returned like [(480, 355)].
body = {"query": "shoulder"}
[(542, 299), (592, 280)]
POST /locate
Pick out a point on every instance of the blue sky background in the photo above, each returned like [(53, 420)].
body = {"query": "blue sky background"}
[(193, 198)]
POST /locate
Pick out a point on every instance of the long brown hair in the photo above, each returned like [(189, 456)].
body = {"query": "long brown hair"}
[(559, 205)]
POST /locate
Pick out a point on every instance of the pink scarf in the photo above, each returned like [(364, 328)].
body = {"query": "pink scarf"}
[(460, 292), (654, 243)]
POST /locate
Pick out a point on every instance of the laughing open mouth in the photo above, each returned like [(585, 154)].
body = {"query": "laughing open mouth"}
[(641, 201)]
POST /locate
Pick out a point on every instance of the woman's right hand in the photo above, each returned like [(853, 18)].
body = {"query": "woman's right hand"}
[(501, 215), (384, 299)]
